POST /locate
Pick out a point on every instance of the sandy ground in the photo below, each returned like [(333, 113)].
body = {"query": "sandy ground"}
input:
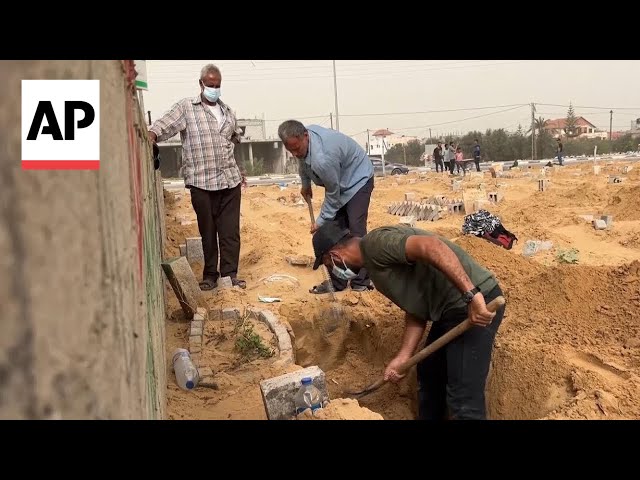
[(569, 346)]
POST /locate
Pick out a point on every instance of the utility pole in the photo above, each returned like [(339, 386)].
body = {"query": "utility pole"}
[(404, 154), (335, 92), (368, 143), (383, 169), (264, 128), (331, 118), (430, 137), (533, 131), (610, 129)]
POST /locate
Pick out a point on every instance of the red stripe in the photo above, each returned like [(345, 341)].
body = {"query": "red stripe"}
[(60, 164)]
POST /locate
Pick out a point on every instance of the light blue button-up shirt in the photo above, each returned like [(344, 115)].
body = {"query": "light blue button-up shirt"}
[(337, 163)]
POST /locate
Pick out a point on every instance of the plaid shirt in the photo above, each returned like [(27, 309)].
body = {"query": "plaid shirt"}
[(207, 150)]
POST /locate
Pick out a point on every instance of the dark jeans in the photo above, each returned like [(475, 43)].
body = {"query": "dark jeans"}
[(477, 162), (452, 164), (353, 215), (451, 381), (218, 215), (440, 164)]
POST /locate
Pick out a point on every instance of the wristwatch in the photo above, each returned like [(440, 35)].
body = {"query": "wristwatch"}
[(468, 296)]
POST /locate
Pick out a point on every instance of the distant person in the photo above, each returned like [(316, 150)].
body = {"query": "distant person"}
[(559, 151), (209, 131), (437, 158), (460, 162), (452, 157), (476, 154), (336, 162)]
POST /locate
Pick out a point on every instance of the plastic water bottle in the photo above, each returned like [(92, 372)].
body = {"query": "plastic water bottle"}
[(186, 372), (308, 396)]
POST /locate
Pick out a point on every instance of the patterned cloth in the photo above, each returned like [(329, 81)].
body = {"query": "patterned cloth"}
[(479, 223), (207, 146)]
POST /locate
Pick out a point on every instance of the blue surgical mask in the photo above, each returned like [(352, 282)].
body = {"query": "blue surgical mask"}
[(344, 274), (212, 94)]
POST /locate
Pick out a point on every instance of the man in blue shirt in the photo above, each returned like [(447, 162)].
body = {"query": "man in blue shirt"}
[(336, 162)]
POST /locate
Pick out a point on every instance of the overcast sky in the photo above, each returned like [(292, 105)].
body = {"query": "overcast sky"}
[(402, 94)]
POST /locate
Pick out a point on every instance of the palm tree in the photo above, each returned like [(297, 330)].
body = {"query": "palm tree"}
[(538, 124)]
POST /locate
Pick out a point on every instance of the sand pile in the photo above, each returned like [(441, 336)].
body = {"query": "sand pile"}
[(624, 204), (341, 409)]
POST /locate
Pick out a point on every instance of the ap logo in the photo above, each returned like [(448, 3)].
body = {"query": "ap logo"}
[(61, 124)]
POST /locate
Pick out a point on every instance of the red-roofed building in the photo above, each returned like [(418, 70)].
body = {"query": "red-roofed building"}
[(556, 127)]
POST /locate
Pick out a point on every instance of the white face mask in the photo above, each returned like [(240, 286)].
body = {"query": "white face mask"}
[(212, 94), (344, 274)]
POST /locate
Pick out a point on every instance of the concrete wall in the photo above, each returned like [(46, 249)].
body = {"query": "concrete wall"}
[(80, 278)]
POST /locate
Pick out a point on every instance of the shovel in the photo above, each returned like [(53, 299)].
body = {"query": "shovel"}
[(458, 330)]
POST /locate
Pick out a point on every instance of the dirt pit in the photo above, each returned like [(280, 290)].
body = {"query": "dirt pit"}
[(341, 409), (567, 348)]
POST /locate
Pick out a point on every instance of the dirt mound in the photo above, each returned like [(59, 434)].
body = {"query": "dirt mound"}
[(625, 204), (584, 194), (341, 409)]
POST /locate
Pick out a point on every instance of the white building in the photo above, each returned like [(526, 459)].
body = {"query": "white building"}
[(386, 138)]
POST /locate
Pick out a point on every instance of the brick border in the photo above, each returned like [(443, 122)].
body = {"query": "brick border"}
[(281, 329), (196, 334)]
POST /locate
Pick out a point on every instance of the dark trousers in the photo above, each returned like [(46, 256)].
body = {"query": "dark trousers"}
[(440, 164), (477, 162), (353, 215), (452, 380), (218, 215), (452, 164)]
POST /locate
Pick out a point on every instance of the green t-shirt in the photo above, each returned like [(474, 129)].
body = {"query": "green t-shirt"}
[(417, 288)]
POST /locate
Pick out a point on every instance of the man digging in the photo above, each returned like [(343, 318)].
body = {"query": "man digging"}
[(430, 279)]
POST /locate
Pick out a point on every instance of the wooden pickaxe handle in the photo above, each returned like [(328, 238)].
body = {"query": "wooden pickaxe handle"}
[(311, 215), (456, 331)]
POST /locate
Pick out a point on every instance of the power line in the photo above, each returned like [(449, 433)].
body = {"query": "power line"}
[(594, 108), (432, 111)]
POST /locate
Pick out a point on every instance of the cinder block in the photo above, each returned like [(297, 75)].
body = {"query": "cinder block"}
[(195, 332), (278, 392), (194, 249), (409, 197), (608, 219), (225, 282), (201, 312), (599, 224), (495, 197), (230, 314), (184, 284), (183, 250), (195, 349), (408, 221), (543, 184), (596, 169)]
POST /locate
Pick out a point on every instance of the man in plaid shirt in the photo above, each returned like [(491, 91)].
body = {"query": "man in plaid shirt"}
[(209, 131)]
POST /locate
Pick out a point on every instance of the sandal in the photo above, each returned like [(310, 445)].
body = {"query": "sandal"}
[(322, 288), (361, 288), (238, 283), (208, 284)]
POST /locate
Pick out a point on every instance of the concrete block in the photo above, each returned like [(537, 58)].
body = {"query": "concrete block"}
[(197, 324), (278, 392), (599, 224), (195, 339), (596, 169), (183, 250), (543, 184), (184, 284), (304, 260), (230, 314), (195, 349), (205, 372), (480, 205), (627, 168), (225, 282), (195, 358), (608, 219), (409, 197), (615, 179), (495, 197), (201, 313), (194, 249), (195, 332), (408, 221)]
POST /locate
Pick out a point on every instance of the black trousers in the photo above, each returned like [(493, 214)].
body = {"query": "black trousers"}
[(452, 164), (353, 215), (452, 380), (440, 165), (218, 215), (476, 160)]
